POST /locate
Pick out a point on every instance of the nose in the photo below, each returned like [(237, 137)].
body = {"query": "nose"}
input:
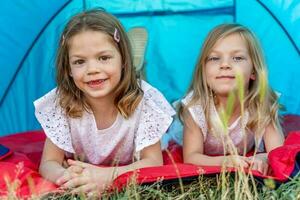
[(93, 68), (225, 64)]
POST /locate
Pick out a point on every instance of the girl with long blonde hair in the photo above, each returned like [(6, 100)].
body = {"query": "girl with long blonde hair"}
[(231, 66)]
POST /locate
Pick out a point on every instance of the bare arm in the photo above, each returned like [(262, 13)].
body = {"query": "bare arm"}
[(94, 178), (272, 138), (51, 162), (193, 144), (150, 156)]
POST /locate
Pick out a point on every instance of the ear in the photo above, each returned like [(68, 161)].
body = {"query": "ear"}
[(253, 76), (71, 74)]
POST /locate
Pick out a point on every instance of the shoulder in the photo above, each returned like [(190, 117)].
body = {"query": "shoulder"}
[(51, 98), (154, 99), (153, 117), (196, 112), (187, 98), (53, 120)]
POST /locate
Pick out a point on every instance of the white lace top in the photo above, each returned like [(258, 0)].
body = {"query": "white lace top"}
[(116, 144), (240, 136)]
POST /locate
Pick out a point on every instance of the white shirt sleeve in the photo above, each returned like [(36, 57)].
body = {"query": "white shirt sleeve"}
[(197, 114), (53, 121), (155, 117)]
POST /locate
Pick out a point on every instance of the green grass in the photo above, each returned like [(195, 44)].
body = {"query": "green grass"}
[(224, 186), (217, 187)]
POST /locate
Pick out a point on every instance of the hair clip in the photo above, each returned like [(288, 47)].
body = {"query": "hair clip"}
[(116, 36)]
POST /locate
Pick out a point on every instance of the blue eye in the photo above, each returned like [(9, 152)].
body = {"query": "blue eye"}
[(213, 58), (238, 58)]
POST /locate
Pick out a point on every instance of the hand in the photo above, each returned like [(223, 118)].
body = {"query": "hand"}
[(259, 162), (236, 161), (69, 173), (92, 180)]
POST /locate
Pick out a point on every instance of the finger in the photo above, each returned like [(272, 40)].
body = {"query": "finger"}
[(65, 164), (241, 163), (87, 188), (265, 169), (258, 166), (249, 160), (254, 167), (66, 177), (75, 182), (244, 164), (94, 195), (76, 169), (77, 163)]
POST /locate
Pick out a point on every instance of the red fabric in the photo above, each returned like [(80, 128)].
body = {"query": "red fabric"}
[(27, 150), (30, 181), (21, 169), (29, 143), (282, 162), (28, 147), (172, 172), (282, 159), (173, 154)]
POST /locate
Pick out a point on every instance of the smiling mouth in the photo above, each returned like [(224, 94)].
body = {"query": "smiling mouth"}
[(96, 82), (225, 77)]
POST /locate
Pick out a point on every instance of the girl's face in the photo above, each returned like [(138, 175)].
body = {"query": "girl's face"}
[(95, 64), (228, 57)]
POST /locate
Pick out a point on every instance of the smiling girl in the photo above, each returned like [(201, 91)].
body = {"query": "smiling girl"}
[(228, 51), (99, 111)]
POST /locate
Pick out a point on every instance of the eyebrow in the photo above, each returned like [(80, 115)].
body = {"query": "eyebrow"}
[(98, 53), (234, 51)]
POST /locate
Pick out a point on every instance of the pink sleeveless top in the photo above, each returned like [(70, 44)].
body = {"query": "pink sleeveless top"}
[(214, 138), (119, 144)]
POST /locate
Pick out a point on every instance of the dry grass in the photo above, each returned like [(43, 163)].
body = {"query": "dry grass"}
[(223, 186)]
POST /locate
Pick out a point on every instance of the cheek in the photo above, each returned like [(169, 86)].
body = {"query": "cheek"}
[(116, 70), (77, 72), (209, 74)]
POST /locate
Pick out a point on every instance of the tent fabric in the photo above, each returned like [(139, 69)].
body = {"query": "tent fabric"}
[(280, 39), (19, 39), (176, 32), (284, 162)]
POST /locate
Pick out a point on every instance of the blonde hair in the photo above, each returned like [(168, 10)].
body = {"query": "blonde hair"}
[(202, 94), (128, 93)]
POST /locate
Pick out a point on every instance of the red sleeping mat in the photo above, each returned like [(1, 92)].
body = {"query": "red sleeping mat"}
[(284, 162), (27, 149)]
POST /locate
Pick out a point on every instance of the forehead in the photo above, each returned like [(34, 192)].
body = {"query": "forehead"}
[(230, 43), (90, 39)]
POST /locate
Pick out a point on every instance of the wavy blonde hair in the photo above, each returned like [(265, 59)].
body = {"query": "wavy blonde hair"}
[(128, 93), (268, 107)]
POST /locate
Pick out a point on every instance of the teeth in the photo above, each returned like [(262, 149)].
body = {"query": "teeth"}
[(96, 81)]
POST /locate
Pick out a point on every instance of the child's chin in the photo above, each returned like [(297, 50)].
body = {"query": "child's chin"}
[(225, 92)]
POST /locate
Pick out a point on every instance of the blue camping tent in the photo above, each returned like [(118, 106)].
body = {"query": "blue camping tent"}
[(30, 30)]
